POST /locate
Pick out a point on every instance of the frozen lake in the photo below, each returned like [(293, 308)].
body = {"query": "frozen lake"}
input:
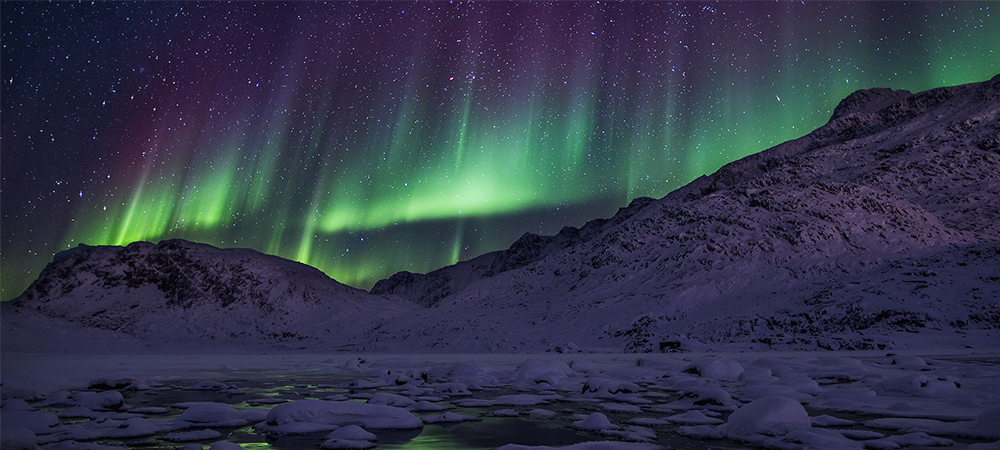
[(697, 401)]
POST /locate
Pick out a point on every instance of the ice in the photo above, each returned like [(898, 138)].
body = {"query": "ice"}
[(351, 436), (100, 401), (716, 368), (607, 388), (426, 406), (539, 413), (825, 420), (716, 397), (16, 437), (505, 413), (450, 417), (208, 414), (474, 374), (15, 404), (921, 439), (909, 362), (919, 385), (768, 416), (352, 432), (118, 384), (595, 422), (473, 403), (382, 398), (648, 421), (106, 428), (77, 412), (522, 400), (452, 389), (39, 422), (904, 417), (209, 385), (537, 371), (860, 435), (694, 417), (812, 439), (985, 426), (303, 416)]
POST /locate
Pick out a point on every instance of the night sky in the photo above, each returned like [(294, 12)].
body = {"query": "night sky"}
[(369, 138)]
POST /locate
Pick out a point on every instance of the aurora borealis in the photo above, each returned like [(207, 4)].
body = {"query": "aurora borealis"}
[(368, 138)]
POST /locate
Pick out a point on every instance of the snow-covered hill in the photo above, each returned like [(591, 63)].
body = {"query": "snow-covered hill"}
[(880, 229), (182, 292)]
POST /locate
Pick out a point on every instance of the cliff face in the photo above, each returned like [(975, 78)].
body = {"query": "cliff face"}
[(883, 222)]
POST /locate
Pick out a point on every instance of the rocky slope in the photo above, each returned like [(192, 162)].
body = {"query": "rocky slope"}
[(882, 223), (182, 291)]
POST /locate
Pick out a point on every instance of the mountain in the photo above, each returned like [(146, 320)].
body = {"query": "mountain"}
[(880, 229), (183, 291), (884, 221)]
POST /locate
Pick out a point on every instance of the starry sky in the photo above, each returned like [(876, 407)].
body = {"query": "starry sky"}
[(368, 138)]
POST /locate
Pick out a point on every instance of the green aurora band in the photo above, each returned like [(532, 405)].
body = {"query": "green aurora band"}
[(380, 141)]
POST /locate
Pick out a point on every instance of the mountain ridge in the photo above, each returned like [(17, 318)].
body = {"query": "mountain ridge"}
[(882, 222)]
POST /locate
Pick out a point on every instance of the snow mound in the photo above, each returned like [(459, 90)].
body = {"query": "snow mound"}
[(716, 368), (768, 416), (595, 422), (305, 416), (210, 414), (538, 371), (381, 398)]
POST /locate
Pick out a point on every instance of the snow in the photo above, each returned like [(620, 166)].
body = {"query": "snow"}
[(38, 422), (306, 416), (848, 274), (352, 432), (382, 398), (16, 437), (351, 436), (768, 416), (208, 414), (522, 400), (697, 407), (595, 422), (717, 368), (694, 417)]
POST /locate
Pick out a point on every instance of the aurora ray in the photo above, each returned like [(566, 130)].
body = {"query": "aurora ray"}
[(370, 138)]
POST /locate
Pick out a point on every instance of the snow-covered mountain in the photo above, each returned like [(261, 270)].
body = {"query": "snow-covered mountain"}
[(879, 229), (183, 291)]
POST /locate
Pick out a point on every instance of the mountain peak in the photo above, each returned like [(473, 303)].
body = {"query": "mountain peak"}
[(883, 223), (869, 101)]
